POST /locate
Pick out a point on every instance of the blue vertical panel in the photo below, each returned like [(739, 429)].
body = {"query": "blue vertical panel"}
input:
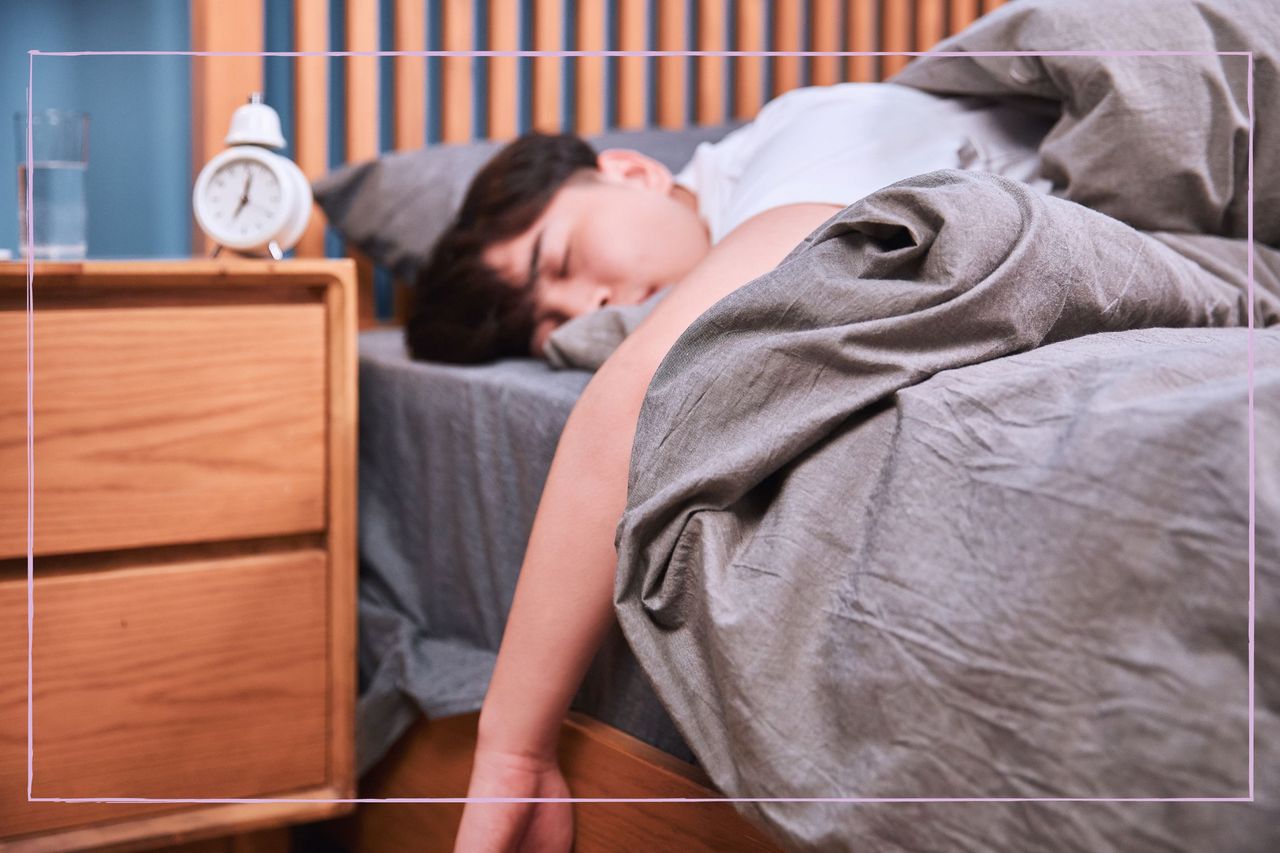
[(730, 13), (334, 246), (138, 186), (435, 38), (611, 64), (383, 284), (383, 294), (569, 66), (480, 70), (690, 63), (524, 70), (770, 43), (278, 71), (651, 64), (337, 84), (386, 76)]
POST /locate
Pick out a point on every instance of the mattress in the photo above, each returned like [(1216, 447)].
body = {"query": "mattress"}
[(452, 463)]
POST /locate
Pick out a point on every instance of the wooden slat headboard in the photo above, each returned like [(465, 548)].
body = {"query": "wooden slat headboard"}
[(403, 102)]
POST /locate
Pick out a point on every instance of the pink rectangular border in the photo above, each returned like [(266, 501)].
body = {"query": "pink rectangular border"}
[(30, 239)]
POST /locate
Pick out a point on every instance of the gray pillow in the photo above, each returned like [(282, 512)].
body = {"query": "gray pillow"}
[(394, 208), (586, 341)]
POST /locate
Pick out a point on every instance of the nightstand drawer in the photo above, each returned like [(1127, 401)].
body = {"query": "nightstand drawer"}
[(225, 696), (163, 425)]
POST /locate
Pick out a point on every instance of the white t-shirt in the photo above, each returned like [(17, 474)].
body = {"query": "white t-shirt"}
[(837, 144)]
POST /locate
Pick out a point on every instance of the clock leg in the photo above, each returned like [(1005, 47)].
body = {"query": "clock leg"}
[(274, 248)]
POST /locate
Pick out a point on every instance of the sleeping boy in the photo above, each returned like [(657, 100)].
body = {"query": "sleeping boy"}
[(549, 231)]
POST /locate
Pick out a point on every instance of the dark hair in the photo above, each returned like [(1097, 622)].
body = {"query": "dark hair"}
[(463, 310)]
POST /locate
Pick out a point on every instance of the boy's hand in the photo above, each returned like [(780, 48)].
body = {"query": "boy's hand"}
[(515, 827)]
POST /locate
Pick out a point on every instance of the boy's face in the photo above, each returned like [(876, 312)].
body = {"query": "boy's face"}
[(612, 237)]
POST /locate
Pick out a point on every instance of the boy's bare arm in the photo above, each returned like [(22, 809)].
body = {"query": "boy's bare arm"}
[(748, 252), (563, 599)]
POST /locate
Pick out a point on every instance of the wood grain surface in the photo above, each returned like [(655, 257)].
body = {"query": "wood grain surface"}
[(179, 406), (433, 759), (200, 679), (155, 425)]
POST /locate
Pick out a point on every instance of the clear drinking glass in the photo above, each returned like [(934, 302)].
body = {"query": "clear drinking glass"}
[(60, 163)]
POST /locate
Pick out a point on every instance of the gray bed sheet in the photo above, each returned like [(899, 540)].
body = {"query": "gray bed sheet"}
[(452, 463)]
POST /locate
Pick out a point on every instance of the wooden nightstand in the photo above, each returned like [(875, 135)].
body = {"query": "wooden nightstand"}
[(195, 580)]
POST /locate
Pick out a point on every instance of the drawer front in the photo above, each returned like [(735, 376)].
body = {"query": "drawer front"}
[(163, 425), (201, 679)]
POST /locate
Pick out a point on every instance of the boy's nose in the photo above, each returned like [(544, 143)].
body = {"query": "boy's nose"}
[(598, 296)]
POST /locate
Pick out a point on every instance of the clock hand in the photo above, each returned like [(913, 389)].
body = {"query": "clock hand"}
[(244, 196)]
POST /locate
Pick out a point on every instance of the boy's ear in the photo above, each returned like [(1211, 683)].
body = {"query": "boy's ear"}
[(625, 166)]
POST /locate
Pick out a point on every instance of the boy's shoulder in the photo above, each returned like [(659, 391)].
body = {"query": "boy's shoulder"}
[(870, 94)]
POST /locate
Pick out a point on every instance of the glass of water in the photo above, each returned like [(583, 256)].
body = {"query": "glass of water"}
[(60, 161)]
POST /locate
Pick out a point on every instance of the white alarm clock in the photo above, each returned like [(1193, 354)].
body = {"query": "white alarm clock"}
[(249, 198)]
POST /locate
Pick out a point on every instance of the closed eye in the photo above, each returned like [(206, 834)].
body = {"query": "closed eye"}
[(543, 315)]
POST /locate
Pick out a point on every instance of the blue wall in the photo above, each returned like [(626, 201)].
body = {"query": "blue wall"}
[(139, 181)]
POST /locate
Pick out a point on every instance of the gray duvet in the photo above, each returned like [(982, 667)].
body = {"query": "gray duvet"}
[(955, 502)]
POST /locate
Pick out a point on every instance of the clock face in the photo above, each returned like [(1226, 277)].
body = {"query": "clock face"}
[(242, 203)]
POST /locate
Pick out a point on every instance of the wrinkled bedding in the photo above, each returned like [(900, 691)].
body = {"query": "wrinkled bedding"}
[(955, 502)]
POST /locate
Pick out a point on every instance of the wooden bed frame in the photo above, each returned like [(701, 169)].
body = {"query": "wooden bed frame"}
[(432, 101), (433, 759)]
